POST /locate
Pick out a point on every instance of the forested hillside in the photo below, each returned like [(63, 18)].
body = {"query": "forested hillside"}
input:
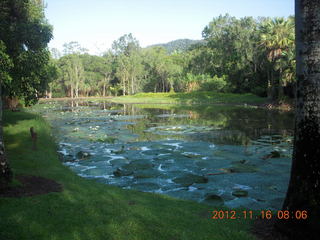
[(179, 45)]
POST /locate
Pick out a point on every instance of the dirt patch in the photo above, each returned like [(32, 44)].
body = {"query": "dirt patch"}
[(264, 229), (31, 186)]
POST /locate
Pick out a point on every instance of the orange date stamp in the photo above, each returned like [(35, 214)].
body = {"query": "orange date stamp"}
[(264, 214)]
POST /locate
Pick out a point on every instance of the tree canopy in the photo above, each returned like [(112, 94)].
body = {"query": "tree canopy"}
[(236, 55), (24, 36)]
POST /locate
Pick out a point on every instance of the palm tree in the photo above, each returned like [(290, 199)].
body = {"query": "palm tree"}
[(304, 188), (277, 37)]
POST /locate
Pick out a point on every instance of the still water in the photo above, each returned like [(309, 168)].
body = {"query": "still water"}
[(220, 155)]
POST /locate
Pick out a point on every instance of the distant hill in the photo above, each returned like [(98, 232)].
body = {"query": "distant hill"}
[(177, 45)]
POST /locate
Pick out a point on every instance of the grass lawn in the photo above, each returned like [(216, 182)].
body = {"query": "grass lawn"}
[(89, 210), (191, 98)]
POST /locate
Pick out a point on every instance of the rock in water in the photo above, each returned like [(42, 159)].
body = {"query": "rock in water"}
[(83, 155)]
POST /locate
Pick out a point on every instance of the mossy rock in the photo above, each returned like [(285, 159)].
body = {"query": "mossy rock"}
[(240, 193), (189, 179), (122, 172), (242, 168), (214, 199), (83, 155)]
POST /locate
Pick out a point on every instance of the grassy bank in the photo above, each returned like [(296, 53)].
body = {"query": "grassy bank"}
[(90, 210), (191, 98)]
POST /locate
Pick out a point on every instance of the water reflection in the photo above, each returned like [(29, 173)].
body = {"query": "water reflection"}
[(228, 155)]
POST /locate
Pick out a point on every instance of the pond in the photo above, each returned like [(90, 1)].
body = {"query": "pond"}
[(220, 155)]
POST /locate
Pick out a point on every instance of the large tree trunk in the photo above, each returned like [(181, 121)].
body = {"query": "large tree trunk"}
[(304, 187), (5, 172)]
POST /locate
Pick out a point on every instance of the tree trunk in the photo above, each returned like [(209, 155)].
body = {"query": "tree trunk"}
[(104, 90), (5, 171), (304, 189), (71, 91), (132, 86), (280, 86), (124, 87), (77, 90)]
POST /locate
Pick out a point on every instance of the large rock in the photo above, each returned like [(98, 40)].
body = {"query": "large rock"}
[(189, 179)]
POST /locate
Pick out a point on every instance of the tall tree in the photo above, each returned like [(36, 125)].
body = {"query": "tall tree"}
[(24, 35), (5, 65), (25, 32), (277, 36), (304, 187)]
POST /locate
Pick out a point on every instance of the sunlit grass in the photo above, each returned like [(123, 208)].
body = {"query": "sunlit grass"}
[(89, 210), (191, 98)]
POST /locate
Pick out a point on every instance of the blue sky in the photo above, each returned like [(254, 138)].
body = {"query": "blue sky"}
[(95, 24)]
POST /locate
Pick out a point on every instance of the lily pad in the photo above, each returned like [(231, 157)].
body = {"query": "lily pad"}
[(107, 140), (214, 199), (151, 173), (191, 155), (122, 172), (242, 168), (240, 193), (189, 179), (138, 165)]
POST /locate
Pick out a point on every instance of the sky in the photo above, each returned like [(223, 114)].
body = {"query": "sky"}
[(95, 24)]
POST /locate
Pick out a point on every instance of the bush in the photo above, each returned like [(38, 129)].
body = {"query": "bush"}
[(215, 84)]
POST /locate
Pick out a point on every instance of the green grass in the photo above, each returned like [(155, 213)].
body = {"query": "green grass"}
[(89, 210), (191, 98)]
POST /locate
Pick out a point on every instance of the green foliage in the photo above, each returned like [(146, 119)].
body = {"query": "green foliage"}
[(215, 84), (243, 55), (25, 33), (180, 45), (5, 64)]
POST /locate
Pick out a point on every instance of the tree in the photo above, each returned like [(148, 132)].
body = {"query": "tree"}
[(72, 73), (129, 64), (304, 188), (278, 39), (73, 48), (125, 45), (5, 65), (24, 35), (25, 32)]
